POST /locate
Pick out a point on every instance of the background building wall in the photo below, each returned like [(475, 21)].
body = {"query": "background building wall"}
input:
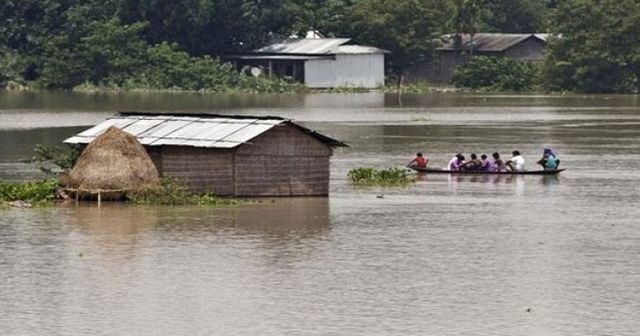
[(347, 70)]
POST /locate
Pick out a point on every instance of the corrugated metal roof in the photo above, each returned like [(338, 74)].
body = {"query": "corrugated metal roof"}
[(487, 42), (308, 46), (279, 57), (359, 49), (211, 131)]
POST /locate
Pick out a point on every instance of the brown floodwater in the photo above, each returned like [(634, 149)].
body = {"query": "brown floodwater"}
[(470, 255)]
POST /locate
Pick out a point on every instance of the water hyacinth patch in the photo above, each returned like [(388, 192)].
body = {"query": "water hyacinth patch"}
[(172, 191), (381, 177), (33, 191)]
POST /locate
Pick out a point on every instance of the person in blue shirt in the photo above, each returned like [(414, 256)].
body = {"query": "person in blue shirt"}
[(549, 161)]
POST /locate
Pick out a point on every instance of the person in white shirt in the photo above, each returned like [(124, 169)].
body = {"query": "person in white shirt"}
[(517, 162)]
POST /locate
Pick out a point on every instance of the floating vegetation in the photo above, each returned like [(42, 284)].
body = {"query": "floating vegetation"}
[(380, 177), (33, 191), (172, 191)]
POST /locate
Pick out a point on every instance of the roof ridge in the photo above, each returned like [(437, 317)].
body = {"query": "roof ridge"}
[(197, 115)]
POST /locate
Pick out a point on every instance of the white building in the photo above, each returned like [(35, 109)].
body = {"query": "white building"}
[(317, 62)]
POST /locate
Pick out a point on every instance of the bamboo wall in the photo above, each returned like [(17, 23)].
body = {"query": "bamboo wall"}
[(283, 161), (204, 169)]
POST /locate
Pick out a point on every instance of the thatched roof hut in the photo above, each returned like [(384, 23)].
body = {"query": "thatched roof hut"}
[(111, 165)]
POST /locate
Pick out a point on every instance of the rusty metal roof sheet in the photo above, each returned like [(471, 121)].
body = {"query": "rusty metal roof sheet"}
[(201, 130), (487, 42)]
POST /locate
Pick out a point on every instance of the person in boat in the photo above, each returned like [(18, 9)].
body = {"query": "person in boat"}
[(516, 164), (419, 161), (486, 163), (474, 164), (498, 165), (456, 163), (549, 161)]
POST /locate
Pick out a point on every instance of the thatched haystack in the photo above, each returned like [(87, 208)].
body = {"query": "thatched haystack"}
[(111, 165)]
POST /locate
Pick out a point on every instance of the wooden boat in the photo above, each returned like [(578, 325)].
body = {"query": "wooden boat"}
[(476, 172)]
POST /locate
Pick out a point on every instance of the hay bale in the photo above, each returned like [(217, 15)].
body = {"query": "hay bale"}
[(113, 163)]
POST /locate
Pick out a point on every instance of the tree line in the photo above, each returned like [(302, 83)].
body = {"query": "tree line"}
[(175, 43)]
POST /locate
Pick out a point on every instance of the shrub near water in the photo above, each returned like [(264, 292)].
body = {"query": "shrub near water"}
[(36, 191), (495, 74), (384, 177)]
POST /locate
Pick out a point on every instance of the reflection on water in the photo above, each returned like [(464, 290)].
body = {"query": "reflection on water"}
[(446, 255)]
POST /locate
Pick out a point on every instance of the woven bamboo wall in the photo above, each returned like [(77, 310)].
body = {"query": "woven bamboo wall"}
[(283, 162), (204, 169)]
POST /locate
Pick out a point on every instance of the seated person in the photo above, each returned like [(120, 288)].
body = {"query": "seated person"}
[(456, 163), (473, 164), (517, 162), (549, 161), (498, 165), (486, 163), (419, 161)]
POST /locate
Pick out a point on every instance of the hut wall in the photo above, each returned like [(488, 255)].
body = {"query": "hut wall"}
[(438, 70), (203, 169), (347, 70), (155, 153), (529, 50), (282, 162)]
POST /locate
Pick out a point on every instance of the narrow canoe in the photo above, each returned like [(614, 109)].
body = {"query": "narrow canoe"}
[(471, 172)]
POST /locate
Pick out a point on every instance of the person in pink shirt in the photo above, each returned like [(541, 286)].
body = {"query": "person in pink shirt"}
[(456, 163), (498, 164)]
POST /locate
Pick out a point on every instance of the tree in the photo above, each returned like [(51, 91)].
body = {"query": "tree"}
[(595, 48), (468, 19), (516, 16), (409, 29)]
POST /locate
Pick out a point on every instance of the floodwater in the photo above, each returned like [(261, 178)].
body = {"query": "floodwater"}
[(521, 255)]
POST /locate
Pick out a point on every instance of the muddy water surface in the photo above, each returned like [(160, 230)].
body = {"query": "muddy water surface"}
[(526, 255)]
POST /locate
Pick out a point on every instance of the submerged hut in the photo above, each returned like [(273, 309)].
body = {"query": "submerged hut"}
[(230, 155), (111, 165)]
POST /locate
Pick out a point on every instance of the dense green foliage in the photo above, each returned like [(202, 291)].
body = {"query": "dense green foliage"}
[(380, 177), (63, 157), (495, 74), (173, 192), (597, 47), (174, 45), (34, 191)]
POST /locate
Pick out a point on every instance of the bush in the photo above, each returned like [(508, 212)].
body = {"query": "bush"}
[(383, 177), (35, 191), (63, 157), (495, 74)]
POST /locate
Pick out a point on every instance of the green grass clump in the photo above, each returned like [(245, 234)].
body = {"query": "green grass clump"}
[(33, 191), (172, 191), (382, 177)]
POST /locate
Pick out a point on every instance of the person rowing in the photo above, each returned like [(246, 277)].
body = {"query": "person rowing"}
[(419, 161), (549, 161)]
